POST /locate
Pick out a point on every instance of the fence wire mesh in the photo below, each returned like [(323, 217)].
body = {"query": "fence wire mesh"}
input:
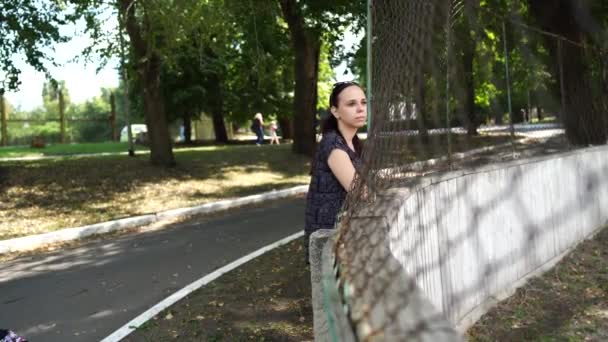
[(456, 85)]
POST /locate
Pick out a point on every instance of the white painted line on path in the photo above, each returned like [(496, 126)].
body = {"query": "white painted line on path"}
[(126, 329)]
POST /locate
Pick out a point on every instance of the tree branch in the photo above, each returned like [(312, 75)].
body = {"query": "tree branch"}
[(127, 8)]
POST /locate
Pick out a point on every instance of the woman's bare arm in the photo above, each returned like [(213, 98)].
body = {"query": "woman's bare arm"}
[(342, 168)]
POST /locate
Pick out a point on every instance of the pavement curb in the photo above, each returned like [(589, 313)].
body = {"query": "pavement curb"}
[(69, 234)]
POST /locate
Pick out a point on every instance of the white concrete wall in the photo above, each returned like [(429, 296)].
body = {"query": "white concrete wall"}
[(470, 236)]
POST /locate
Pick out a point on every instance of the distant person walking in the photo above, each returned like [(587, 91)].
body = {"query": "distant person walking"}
[(258, 128), (273, 133)]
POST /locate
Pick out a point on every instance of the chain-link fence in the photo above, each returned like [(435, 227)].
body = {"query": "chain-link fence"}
[(456, 86), (18, 130), (36, 131)]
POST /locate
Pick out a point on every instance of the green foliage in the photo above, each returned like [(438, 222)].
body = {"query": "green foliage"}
[(98, 109), (259, 76), (28, 28), (50, 98), (22, 133), (357, 61), (330, 19), (326, 75), (85, 122)]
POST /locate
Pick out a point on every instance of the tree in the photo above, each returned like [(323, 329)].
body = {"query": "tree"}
[(466, 42), (193, 83), (585, 122), (145, 33), (236, 61), (259, 58), (183, 92), (97, 110), (310, 23), (156, 29), (54, 92), (29, 28)]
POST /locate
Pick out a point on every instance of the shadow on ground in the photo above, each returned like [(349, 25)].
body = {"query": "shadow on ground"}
[(43, 195)]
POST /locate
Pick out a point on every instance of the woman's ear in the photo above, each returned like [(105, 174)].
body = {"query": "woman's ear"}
[(334, 111)]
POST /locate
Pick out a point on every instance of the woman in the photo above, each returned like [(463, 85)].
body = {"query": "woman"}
[(258, 128), (337, 158)]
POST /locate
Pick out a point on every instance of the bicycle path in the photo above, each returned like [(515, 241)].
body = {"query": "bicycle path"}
[(87, 292)]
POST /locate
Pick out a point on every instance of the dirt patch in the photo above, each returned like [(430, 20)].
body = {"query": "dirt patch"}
[(567, 303), (267, 299)]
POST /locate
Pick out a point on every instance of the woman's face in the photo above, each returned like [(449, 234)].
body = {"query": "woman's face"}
[(352, 107)]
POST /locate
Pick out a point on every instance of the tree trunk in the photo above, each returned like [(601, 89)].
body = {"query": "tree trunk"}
[(469, 96), (61, 117), (423, 131), (420, 101), (307, 48), (188, 128), (217, 111), (114, 136), (305, 99), (161, 150), (286, 128), (219, 127), (466, 41), (216, 100), (584, 121), (149, 66), (498, 112), (3, 125)]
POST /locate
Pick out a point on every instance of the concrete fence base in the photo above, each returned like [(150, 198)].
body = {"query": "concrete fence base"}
[(417, 319)]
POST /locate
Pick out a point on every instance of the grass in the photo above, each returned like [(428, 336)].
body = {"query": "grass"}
[(66, 149), (267, 299), (38, 196), (567, 303), (45, 195)]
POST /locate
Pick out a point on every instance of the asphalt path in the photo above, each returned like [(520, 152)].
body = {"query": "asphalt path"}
[(86, 292)]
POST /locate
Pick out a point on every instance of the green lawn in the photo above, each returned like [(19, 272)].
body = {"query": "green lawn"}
[(44, 195), (66, 149)]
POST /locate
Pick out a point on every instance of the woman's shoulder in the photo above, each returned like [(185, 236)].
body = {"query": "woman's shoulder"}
[(330, 137), (331, 140)]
